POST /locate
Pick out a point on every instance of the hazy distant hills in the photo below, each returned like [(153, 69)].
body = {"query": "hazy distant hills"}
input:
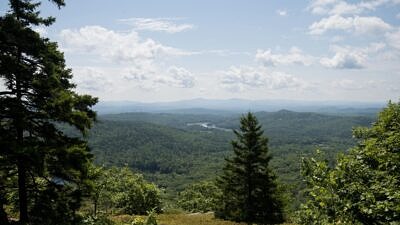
[(228, 106)]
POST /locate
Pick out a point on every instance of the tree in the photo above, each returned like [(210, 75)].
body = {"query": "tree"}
[(122, 190), (199, 197), (50, 167), (249, 188), (364, 185)]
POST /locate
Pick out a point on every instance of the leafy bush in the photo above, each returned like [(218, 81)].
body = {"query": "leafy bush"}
[(97, 220), (199, 197), (150, 220), (364, 186), (121, 190)]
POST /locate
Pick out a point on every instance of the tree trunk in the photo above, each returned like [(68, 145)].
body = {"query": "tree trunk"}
[(95, 207), (22, 192)]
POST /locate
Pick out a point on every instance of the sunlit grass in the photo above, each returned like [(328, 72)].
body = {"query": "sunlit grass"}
[(182, 219)]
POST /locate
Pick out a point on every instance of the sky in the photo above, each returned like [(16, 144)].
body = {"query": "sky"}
[(157, 50)]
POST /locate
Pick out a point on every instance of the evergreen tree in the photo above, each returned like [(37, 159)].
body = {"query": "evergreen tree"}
[(50, 168), (249, 188)]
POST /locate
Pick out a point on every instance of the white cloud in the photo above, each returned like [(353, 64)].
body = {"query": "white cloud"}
[(115, 46), (177, 77), (344, 8), (174, 76), (239, 79), (294, 56), (281, 12), (141, 62), (91, 79), (344, 60), (353, 85), (393, 38), (321, 6), (350, 57), (346, 84), (337, 38), (157, 24), (340, 7), (357, 24)]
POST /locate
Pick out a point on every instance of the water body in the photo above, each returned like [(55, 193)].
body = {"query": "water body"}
[(208, 125)]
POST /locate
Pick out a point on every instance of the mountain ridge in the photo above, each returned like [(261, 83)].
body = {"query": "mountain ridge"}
[(226, 106)]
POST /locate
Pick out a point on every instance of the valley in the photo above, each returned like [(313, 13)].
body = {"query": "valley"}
[(176, 149)]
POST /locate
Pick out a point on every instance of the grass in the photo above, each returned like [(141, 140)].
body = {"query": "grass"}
[(182, 219)]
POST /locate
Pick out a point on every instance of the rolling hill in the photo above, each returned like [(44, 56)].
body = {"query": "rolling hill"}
[(173, 154)]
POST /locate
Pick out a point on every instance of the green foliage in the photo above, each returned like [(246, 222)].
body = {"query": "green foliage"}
[(199, 197), (150, 220), (121, 190), (43, 167), (248, 185), (364, 186), (174, 155), (101, 219), (321, 207)]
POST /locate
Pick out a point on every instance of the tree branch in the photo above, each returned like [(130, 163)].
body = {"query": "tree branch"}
[(7, 92)]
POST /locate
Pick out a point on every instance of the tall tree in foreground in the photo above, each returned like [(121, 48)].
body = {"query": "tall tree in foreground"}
[(49, 167), (364, 186), (249, 189)]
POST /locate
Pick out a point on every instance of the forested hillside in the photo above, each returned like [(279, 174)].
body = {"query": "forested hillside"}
[(173, 154)]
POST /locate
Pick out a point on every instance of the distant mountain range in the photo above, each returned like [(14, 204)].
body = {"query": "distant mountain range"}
[(228, 106)]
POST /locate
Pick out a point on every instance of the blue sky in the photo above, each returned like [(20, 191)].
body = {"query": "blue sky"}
[(172, 50)]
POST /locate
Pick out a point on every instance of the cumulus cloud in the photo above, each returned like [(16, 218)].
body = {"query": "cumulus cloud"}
[(115, 46), (393, 39), (345, 59), (238, 79), (157, 24), (340, 7), (321, 6), (141, 62), (177, 77), (350, 57), (174, 76), (357, 24), (91, 79), (294, 56)]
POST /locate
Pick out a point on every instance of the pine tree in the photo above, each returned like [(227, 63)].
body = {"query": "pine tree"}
[(50, 168), (249, 188)]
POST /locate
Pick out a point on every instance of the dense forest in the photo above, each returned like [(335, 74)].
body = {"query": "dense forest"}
[(61, 164), (172, 154)]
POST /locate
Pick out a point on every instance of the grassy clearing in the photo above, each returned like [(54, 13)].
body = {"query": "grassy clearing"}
[(181, 219)]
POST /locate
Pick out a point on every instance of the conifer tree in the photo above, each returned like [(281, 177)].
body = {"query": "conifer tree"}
[(48, 167), (249, 188)]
